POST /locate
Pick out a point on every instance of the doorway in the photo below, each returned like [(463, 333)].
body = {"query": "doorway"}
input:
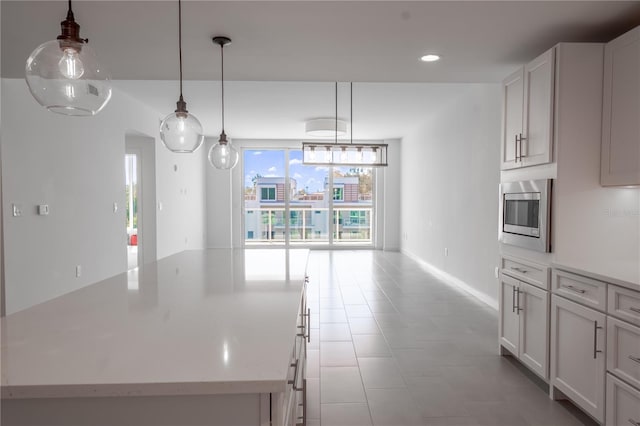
[(132, 169), (140, 201)]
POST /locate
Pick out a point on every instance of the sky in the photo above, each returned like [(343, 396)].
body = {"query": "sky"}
[(271, 163)]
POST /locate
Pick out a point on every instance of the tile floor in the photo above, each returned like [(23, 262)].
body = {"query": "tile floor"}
[(392, 345)]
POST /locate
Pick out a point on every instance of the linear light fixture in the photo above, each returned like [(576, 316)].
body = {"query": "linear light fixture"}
[(359, 154)]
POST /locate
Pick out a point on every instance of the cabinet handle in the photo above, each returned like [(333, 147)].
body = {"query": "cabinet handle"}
[(518, 308), (295, 376), (520, 142), (595, 339), (634, 359), (522, 271), (515, 144), (636, 310), (634, 423), (513, 299), (308, 325), (574, 289)]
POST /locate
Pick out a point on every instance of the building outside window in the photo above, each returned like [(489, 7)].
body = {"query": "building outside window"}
[(288, 203), (338, 193), (268, 194)]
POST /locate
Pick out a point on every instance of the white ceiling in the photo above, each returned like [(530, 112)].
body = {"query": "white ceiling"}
[(311, 41)]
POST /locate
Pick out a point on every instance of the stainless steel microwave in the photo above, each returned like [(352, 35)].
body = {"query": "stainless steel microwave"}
[(525, 214)]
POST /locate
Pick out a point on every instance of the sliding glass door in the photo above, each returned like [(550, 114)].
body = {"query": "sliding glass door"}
[(288, 203)]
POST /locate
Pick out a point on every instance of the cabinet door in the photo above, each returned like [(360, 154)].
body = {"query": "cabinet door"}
[(577, 354), (620, 159), (539, 97), (512, 106), (534, 329), (509, 321)]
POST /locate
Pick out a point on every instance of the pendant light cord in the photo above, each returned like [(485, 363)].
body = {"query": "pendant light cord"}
[(222, 81), (336, 124), (179, 42), (70, 12)]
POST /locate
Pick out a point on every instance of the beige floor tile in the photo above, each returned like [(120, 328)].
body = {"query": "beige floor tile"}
[(345, 415), (341, 384)]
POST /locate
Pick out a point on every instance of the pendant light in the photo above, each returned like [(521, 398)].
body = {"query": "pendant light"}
[(64, 76), (344, 154), (223, 155), (180, 131)]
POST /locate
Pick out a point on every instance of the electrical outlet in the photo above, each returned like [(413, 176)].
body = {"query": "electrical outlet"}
[(446, 251), (43, 209), (78, 271), (115, 207), (17, 210), (496, 272)]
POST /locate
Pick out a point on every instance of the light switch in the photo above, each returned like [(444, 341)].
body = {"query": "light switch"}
[(160, 205), (17, 210), (43, 209), (115, 207)]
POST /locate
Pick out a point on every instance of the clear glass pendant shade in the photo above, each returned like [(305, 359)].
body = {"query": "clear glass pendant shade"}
[(65, 77), (223, 156), (181, 132)]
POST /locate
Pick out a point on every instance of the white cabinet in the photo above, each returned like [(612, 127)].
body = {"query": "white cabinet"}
[(623, 403), (524, 313), (528, 99), (577, 355), (620, 159)]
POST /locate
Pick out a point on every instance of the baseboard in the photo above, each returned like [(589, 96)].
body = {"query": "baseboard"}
[(451, 280)]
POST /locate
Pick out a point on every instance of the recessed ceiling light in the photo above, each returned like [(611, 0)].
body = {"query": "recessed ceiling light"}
[(430, 58)]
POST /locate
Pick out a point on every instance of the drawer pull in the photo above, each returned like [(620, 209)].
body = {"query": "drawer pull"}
[(636, 310), (634, 423), (574, 289), (634, 359), (522, 271)]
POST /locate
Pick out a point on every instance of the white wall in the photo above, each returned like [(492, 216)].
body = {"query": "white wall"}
[(449, 189), (390, 206), (76, 165), (218, 196)]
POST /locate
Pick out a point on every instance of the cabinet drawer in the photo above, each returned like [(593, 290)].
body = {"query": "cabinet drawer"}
[(530, 272), (581, 289), (623, 348), (623, 403), (624, 303)]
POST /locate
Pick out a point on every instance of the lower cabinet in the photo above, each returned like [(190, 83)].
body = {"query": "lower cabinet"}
[(577, 355), (524, 324), (623, 403)]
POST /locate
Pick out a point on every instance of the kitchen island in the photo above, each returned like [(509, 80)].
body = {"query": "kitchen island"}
[(214, 337)]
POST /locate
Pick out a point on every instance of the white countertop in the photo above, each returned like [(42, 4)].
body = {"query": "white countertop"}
[(198, 322), (623, 274)]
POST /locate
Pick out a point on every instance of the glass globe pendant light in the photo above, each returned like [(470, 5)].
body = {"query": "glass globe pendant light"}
[(180, 131), (223, 155), (64, 76)]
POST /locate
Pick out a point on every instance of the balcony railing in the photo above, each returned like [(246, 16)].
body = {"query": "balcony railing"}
[(308, 225)]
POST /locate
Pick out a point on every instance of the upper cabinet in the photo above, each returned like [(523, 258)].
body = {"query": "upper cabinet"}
[(528, 99), (620, 159)]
